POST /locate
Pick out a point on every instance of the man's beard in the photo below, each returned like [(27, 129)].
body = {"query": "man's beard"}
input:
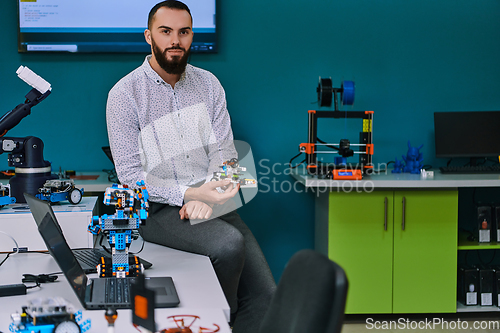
[(175, 66)]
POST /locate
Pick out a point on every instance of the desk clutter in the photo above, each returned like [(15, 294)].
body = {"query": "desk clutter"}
[(57, 315), (106, 293), (52, 190)]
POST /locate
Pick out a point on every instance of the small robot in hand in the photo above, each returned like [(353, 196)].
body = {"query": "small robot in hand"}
[(121, 228), (232, 170)]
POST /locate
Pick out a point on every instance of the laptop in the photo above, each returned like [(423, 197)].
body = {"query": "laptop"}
[(99, 293)]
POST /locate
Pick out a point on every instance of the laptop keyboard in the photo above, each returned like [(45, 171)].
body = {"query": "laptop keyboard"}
[(118, 290), (91, 258)]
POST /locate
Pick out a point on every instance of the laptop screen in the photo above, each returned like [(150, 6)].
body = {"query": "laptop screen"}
[(56, 244)]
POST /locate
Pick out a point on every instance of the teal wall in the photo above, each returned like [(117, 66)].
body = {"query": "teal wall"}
[(407, 58)]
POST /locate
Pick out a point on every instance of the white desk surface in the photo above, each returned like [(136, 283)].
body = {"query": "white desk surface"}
[(402, 180), (194, 278), (86, 205), (16, 220)]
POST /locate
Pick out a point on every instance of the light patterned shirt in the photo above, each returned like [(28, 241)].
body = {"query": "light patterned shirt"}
[(171, 138)]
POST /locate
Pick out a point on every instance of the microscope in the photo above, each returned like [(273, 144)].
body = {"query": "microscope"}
[(26, 154)]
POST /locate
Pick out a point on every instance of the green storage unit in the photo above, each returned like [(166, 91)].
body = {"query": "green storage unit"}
[(391, 270)]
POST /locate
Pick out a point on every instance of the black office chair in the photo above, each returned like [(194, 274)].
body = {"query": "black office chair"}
[(310, 296)]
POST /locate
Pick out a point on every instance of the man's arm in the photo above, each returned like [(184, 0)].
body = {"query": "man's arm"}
[(223, 149)]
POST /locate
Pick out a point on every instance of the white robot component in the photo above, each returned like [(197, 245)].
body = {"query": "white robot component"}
[(28, 76)]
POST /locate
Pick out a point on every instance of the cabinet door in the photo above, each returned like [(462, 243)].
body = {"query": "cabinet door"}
[(360, 239), (425, 252)]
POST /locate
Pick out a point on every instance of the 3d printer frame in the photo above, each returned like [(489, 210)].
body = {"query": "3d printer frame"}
[(343, 171)]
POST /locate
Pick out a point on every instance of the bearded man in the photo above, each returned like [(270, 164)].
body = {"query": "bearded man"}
[(168, 125)]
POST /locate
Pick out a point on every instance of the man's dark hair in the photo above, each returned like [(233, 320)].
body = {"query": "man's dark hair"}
[(173, 4)]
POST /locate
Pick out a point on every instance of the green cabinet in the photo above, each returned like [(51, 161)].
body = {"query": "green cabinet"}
[(398, 248)]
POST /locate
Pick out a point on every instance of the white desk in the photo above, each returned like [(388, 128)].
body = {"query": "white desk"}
[(17, 221), (194, 278), (399, 181)]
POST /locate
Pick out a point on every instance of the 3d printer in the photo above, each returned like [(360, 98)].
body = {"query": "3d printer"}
[(340, 169)]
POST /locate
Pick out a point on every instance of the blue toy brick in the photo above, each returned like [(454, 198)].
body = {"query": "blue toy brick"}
[(60, 196), (5, 201), (121, 240), (48, 328)]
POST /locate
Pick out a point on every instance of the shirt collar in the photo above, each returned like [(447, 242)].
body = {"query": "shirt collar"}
[(150, 72)]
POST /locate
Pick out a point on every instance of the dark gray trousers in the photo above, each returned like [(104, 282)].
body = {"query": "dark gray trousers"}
[(236, 256)]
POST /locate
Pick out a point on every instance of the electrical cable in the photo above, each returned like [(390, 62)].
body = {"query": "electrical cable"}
[(6, 257), (15, 242), (493, 161), (38, 279), (290, 163), (323, 142), (9, 253), (112, 175)]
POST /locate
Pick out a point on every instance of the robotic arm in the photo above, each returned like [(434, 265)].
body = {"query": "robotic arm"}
[(41, 89), (26, 154)]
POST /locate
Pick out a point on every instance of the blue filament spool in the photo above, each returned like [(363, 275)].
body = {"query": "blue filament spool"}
[(347, 92)]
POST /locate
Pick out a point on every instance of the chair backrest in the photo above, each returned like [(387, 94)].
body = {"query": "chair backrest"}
[(310, 296)]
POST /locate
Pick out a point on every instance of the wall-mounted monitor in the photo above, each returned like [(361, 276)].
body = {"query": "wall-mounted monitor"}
[(469, 134), (103, 25)]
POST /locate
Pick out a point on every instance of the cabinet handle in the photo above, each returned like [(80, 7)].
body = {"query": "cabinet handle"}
[(404, 213), (385, 213)]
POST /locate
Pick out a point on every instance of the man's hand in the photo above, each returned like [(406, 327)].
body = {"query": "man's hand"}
[(208, 192), (195, 210)]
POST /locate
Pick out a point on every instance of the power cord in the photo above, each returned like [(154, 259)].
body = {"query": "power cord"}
[(21, 288), (294, 166), (4, 259), (9, 253), (13, 239), (112, 175), (38, 279)]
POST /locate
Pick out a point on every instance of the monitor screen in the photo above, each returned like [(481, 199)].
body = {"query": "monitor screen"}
[(467, 134), (103, 26)]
